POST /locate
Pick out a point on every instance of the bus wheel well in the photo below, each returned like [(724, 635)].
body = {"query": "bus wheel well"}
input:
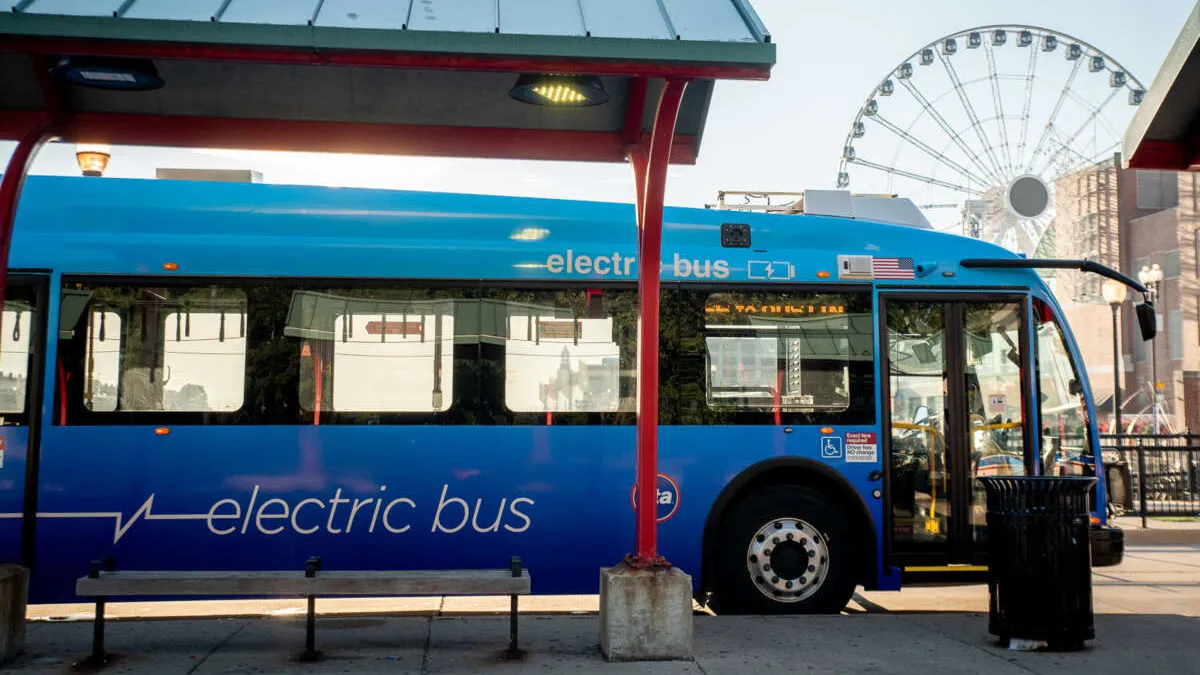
[(789, 471)]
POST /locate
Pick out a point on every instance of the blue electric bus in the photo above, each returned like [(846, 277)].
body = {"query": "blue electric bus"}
[(234, 376)]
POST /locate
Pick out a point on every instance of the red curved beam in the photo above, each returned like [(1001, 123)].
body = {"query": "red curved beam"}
[(649, 264), (10, 188)]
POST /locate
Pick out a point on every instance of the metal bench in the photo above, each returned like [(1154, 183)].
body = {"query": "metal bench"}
[(104, 581)]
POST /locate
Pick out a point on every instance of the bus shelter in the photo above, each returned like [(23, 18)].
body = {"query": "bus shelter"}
[(1165, 132), (579, 80)]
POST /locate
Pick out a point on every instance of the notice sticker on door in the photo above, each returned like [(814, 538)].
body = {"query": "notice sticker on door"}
[(997, 403), (861, 446)]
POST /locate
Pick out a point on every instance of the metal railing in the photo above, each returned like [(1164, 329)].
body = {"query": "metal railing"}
[(1153, 475)]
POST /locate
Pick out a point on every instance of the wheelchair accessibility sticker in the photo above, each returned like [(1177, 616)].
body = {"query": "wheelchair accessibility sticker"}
[(831, 447)]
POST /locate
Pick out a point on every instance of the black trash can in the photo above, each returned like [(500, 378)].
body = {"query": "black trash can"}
[(1039, 559)]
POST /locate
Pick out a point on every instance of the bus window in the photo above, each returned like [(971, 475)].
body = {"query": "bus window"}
[(563, 353), (1066, 450), (14, 356), (206, 365), (784, 352), (165, 349), (395, 362), (103, 361), (375, 350)]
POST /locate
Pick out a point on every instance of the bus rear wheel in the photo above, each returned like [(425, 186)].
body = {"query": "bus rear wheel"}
[(784, 550)]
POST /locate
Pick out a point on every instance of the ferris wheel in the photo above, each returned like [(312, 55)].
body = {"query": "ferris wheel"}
[(979, 126)]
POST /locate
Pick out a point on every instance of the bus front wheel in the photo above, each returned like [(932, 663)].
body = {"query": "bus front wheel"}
[(784, 550)]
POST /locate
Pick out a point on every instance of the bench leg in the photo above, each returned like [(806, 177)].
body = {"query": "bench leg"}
[(310, 632), (98, 658), (513, 652)]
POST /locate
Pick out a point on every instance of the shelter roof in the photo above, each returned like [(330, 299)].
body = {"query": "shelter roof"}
[(392, 76), (1165, 132)]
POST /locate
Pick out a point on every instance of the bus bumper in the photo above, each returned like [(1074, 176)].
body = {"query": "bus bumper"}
[(1108, 546)]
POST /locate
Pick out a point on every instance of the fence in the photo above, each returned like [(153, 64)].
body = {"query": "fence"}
[(1153, 475)]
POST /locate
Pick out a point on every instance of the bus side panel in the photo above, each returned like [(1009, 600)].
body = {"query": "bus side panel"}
[(14, 442), (381, 497), (416, 497)]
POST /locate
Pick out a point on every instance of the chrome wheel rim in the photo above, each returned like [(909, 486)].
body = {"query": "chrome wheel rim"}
[(787, 559)]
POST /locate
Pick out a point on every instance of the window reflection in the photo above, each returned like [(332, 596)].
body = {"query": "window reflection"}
[(569, 351), (15, 329), (1066, 450), (160, 349), (783, 352)]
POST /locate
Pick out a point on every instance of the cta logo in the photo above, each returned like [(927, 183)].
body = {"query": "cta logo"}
[(667, 498)]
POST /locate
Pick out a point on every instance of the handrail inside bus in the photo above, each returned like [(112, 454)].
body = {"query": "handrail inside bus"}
[(1054, 263)]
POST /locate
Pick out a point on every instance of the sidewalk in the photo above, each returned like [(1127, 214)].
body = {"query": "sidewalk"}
[(1147, 621), (1159, 531), (900, 644)]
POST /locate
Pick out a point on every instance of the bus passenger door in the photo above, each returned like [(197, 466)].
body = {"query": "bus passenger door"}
[(22, 355), (956, 399)]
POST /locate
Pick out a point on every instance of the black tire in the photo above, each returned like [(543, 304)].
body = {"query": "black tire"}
[(736, 592)]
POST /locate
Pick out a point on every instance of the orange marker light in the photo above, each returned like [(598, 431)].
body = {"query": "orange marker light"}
[(161, 431), (1095, 520), (822, 274), (827, 430), (170, 267)]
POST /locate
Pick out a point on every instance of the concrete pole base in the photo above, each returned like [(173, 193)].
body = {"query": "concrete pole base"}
[(14, 594), (645, 615)]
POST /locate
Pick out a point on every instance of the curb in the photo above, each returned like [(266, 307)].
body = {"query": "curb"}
[(1153, 537)]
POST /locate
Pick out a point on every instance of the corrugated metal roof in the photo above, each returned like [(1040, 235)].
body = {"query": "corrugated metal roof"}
[(430, 76), (689, 20)]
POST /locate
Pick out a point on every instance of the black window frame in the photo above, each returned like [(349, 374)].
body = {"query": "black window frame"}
[(478, 399), (683, 360)]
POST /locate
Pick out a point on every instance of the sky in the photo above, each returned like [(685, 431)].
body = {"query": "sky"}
[(785, 134)]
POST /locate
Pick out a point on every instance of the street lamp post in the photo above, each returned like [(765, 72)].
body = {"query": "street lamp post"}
[(1150, 276), (1114, 294)]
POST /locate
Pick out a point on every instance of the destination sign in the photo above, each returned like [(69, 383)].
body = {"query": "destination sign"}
[(772, 309)]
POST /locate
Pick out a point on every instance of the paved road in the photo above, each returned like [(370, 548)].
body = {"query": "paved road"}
[(1148, 621)]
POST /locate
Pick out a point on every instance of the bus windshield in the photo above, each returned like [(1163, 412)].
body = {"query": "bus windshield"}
[(1066, 446)]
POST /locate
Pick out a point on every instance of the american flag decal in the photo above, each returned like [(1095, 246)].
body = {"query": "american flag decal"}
[(893, 268)]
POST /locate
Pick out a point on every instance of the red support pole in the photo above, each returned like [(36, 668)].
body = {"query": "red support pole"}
[(638, 159), (10, 190), (649, 270)]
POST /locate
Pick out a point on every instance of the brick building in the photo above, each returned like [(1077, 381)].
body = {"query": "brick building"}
[(1130, 219)]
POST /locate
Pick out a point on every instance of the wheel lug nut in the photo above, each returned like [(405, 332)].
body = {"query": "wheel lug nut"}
[(803, 541), (812, 568), (767, 553), (766, 568), (774, 540), (790, 536), (789, 584), (803, 581), (774, 580), (812, 554)]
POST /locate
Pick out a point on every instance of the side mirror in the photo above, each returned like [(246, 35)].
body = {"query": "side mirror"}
[(1147, 320)]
